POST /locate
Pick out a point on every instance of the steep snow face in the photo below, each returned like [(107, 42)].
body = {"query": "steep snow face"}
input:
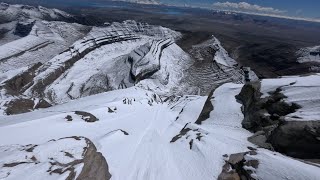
[(148, 30), (32, 34), (121, 54), (221, 55), (170, 78), (309, 54), (111, 71), (22, 45), (43, 42), (14, 12), (304, 91), (212, 67)]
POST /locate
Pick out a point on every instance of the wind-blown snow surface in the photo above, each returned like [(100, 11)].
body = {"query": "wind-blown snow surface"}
[(146, 152), (274, 165), (137, 136), (42, 159), (304, 91)]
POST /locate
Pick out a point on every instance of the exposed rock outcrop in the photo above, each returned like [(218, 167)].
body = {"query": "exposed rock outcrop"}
[(297, 139), (259, 112), (266, 117), (17, 84), (207, 108), (24, 105), (149, 63), (237, 167), (19, 106), (250, 97), (95, 165), (63, 157), (23, 28), (212, 66)]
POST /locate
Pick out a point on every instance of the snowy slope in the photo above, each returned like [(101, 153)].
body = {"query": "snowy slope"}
[(142, 137), (149, 128), (276, 166), (28, 43)]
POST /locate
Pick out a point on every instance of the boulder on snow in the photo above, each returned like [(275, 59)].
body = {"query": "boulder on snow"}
[(69, 118), (88, 117), (42, 104)]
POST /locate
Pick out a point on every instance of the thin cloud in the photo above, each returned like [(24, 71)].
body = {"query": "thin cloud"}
[(246, 7)]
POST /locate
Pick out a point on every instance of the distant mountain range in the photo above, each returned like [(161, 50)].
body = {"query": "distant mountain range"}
[(141, 1), (125, 100)]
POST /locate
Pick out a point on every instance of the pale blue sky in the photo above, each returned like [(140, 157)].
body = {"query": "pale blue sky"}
[(307, 8)]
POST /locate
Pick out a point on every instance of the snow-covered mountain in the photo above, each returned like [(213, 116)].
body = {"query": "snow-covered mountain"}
[(10, 12), (155, 2), (309, 54), (124, 101)]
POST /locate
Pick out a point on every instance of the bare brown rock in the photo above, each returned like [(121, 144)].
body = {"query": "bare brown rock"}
[(95, 165), (19, 106)]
